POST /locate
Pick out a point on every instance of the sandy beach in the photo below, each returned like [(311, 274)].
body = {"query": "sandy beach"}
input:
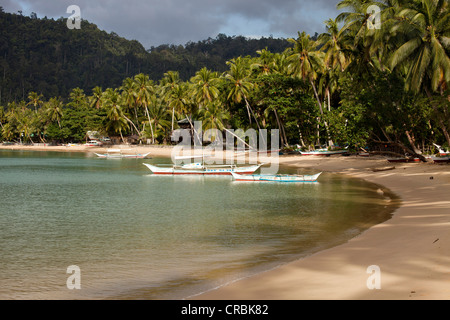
[(411, 250)]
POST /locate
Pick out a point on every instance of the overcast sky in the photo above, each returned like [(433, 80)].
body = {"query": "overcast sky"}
[(154, 22)]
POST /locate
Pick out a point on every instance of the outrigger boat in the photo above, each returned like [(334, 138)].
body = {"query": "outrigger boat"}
[(199, 168), (442, 152), (117, 154), (276, 177), (322, 152)]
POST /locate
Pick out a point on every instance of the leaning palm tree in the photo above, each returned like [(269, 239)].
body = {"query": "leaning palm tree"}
[(306, 62), (144, 93)]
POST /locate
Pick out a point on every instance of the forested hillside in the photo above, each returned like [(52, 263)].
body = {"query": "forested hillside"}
[(45, 56)]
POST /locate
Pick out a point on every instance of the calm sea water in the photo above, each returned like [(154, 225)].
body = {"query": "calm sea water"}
[(139, 236)]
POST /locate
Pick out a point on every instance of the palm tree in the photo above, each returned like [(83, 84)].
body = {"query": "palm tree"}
[(423, 32), (240, 84), (160, 118), (96, 98), (54, 110), (212, 117), (306, 63), (35, 100), (129, 90), (333, 45), (424, 27), (363, 45), (144, 93), (205, 86), (116, 120), (265, 63), (78, 98), (171, 90)]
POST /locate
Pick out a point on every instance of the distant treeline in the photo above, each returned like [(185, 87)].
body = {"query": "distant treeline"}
[(45, 56)]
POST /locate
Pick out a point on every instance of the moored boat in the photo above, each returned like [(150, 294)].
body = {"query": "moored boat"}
[(117, 154), (323, 152), (276, 177), (201, 169)]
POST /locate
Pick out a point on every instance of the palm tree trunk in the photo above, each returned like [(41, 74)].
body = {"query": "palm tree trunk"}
[(150, 123), (193, 128), (173, 116), (412, 142), (251, 110), (281, 127), (329, 99), (256, 120), (237, 137), (131, 122), (301, 136), (330, 142)]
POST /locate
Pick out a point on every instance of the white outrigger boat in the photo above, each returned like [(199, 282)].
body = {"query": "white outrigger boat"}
[(117, 154), (323, 152), (276, 177), (201, 169)]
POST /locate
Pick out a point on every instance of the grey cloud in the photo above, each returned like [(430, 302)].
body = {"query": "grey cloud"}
[(154, 22)]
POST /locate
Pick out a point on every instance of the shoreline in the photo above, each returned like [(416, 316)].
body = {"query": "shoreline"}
[(412, 249)]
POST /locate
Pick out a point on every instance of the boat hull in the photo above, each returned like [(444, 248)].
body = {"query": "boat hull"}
[(322, 153), (441, 159), (400, 160), (277, 178), (201, 171), (122, 156)]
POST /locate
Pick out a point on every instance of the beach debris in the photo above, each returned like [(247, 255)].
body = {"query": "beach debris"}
[(431, 178), (382, 169), (436, 240)]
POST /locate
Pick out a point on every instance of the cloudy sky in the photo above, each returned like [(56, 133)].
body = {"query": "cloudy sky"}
[(155, 22)]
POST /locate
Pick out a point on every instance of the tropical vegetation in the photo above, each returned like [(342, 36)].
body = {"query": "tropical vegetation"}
[(359, 84)]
